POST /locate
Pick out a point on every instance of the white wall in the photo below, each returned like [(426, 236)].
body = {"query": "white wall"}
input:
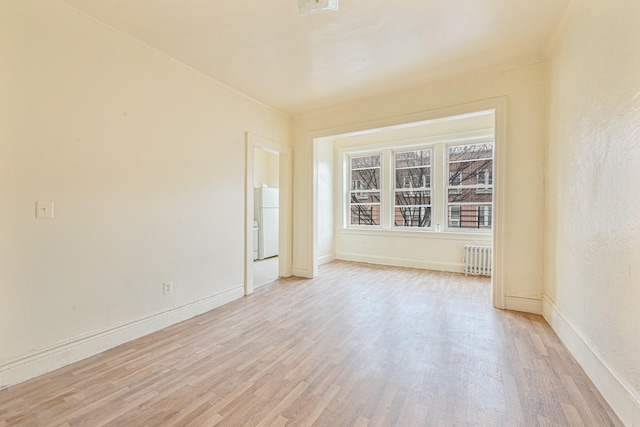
[(524, 88), (266, 169), (592, 206), (144, 159), (326, 204), (442, 251)]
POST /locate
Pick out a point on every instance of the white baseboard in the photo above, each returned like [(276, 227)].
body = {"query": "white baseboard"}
[(326, 258), (400, 262), (525, 303), (624, 401), (48, 359)]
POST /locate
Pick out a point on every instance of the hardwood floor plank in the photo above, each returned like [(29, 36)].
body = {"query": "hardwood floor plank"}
[(361, 345), (284, 403)]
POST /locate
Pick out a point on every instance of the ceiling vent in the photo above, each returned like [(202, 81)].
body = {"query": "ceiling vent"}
[(307, 7)]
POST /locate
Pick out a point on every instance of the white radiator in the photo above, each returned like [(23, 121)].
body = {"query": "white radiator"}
[(477, 260)]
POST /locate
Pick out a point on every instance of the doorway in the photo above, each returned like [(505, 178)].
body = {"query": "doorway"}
[(491, 213), (268, 191), (266, 207)]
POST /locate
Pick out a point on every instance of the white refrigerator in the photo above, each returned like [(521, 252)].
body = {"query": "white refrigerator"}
[(266, 213)]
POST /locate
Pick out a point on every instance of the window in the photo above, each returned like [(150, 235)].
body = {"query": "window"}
[(454, 216), (364, 193), (485, 178), (484, 216), (421, 187), (412, 205), (454, 181), (470, 189)]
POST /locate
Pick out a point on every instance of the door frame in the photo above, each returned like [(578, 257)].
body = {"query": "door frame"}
[(252, 142)]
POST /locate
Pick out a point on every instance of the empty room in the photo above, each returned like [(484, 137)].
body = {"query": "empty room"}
[(312, 212)]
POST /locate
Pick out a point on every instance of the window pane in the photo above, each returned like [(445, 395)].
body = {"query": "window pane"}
[(413, 158), (454, 216), (470, 191), (365, 162), (412, 171), (419, 216), (364, 214), (455, 177), (365, 197), (365, 179), (469, 216), (484, 216), (404, 198), (471, 152), (364, 194), (470, 195), (413, 177), (470, 172), (484, 176)]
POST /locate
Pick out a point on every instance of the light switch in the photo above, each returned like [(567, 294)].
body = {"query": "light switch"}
[(44, 209)]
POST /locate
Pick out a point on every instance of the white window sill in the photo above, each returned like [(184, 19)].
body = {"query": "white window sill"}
[(420, 234)]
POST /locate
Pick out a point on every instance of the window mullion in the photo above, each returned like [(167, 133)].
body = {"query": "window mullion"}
[(439, 187), (387, 189)]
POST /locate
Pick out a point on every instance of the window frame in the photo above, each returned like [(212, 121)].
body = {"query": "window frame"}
[(358, 193), (479, 189), (439, 183), (423, 188)]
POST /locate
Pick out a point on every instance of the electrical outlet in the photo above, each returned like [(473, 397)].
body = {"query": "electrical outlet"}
[(167, 288)]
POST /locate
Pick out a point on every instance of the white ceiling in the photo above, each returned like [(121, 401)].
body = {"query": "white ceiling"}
[(297, 63)]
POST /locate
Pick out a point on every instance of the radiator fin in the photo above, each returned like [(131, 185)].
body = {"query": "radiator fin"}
[(477, 260)]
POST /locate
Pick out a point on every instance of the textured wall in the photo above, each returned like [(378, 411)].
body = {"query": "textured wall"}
[(593, 174)]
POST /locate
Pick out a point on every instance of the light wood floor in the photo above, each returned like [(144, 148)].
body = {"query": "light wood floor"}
[(265, 271), (361, 346)]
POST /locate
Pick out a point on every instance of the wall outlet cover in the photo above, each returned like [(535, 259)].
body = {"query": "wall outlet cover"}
[(167, 288)]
